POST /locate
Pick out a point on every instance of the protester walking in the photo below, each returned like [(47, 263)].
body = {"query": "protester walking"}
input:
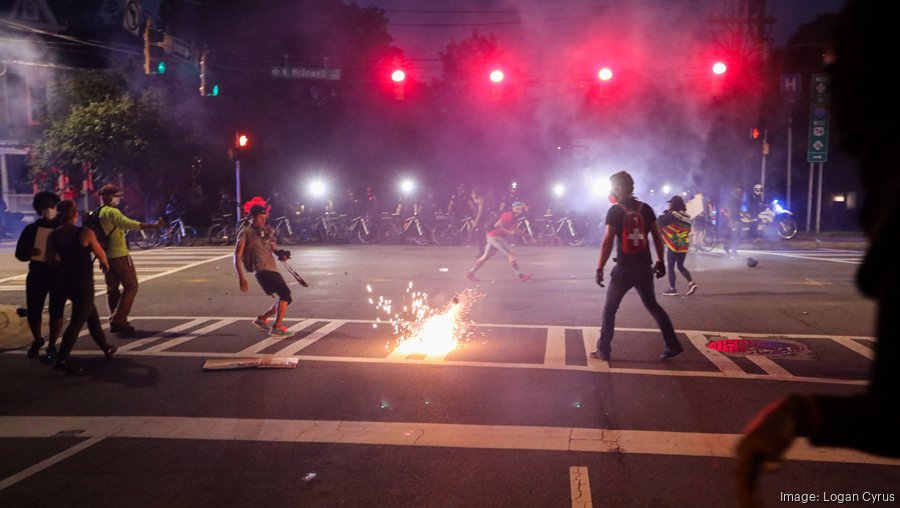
[(254, 253), (504, 228), (75, 245), (629, 223), (121, 267), (675, 226), (42, 280)]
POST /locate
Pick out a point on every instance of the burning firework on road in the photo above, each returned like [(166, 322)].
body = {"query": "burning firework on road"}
[(422, 329)]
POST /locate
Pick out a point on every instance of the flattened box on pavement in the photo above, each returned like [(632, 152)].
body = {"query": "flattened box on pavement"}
[(251, 363)]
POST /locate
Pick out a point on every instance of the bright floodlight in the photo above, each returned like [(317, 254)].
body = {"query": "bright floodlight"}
[(559, 189), (601, 187), (317, 188), (666, 188), (496, 76), (605, 74), (719, 68), (407, 186), (398, 76)]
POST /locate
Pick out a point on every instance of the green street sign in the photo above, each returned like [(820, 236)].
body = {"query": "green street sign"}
[(817, 150), (306, 73)]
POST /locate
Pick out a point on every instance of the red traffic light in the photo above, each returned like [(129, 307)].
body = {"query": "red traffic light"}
[(398, 76), (605, 74), (719, 68), (496, 76), (241, 141), (754, 133)]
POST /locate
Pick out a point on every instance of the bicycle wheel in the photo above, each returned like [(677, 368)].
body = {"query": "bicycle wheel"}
[(284, 236), (189, 237), (142, 238), (442, 234), (571, 234), (421, 235), (706, 240), (391, 232), (219, 234)]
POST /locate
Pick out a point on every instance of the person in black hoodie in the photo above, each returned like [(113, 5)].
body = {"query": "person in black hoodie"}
[(43, 274), (74, 245)]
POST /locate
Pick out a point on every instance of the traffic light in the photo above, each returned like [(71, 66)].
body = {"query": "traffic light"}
[(754, 133), (208, 88), (496, 77), (154, 53), (604, 75), (399, 79), (719, 70), (241, 141)]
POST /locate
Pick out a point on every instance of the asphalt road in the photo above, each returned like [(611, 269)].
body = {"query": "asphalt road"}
[(516, 415)]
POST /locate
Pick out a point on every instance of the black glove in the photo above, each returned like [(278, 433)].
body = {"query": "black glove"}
[(283, 255), (659, 269), (599, 277)]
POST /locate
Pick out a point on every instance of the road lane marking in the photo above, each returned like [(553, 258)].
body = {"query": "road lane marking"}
[(856, 347), (263, 344), (134, 344), (590, 337), (309, 339), (44, 464), (833, 256), (555, 351), (771, 368), (580, 487), (177, 341), (443, 435), (722, 362)]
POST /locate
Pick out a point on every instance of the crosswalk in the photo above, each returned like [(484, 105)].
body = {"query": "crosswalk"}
[(827, 359), (149, 264), (853, 257)]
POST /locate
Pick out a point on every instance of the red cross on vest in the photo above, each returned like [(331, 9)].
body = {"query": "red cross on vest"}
[(636, 237)]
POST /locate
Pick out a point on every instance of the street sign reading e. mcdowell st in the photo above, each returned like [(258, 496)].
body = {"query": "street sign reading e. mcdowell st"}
[(306, 73), (817, 150)]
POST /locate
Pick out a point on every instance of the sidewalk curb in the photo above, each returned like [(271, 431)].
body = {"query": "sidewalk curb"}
[(14, 333)]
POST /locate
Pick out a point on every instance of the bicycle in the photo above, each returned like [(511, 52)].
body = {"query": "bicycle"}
[(565, 230), (363, 230), (446, 232), (703, 235), (175, 233), (224, 233), (284, 233)]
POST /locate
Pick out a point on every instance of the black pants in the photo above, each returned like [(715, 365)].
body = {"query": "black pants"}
[(40, 282), (641, 279), (83, 311), (674, 259)]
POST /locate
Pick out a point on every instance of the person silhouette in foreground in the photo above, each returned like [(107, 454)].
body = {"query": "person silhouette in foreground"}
[(863, 113)]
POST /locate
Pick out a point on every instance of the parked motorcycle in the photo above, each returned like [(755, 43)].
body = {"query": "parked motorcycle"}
[(772, 217)]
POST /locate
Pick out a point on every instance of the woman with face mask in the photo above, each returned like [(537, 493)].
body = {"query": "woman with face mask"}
[(43, 274)]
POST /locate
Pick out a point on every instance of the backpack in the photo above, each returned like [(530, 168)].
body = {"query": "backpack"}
[(92, 220), (634, 232)]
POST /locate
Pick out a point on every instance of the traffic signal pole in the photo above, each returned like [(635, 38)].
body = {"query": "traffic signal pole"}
[(237, 186)]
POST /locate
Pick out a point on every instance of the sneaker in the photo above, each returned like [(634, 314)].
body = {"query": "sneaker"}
[(670, 292), (669, 353), (110, 351), (278, 330), (35, 348), (692, 288), (121, 328), (600, 355), (262, 324), (524, 276), (471, 276), (51, 353)]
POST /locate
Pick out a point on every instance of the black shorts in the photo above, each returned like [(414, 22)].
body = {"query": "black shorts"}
[(273, 284)]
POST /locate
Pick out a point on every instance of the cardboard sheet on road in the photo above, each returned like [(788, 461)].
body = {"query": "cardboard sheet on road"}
[(251, 363)]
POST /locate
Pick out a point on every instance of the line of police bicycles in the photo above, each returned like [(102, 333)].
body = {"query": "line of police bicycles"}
[(389, 228)]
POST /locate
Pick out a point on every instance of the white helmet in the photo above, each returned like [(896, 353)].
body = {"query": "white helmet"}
[(758, 189)]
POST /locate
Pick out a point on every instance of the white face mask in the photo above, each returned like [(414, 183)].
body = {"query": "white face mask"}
[(115, 201), (49, 213)]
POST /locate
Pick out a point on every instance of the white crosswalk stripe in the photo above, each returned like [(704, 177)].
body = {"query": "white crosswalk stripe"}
[(853, 257), (558, 352), (149, 264)]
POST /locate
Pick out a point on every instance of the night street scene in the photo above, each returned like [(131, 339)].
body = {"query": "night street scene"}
[(479, 253)]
